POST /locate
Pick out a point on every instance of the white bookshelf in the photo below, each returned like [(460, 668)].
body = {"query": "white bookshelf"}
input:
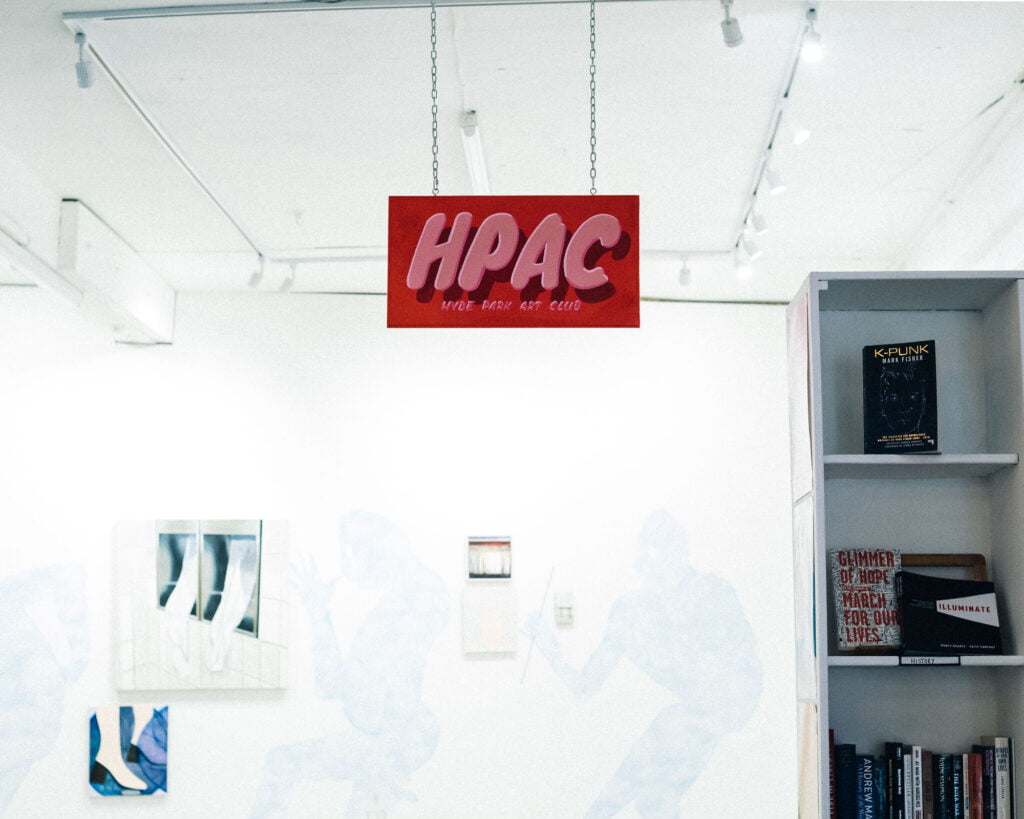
[(969, 498)]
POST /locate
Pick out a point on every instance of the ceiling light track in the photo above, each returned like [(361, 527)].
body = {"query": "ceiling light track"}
[(178, 156), (766, 177), (299, 5), (750, 222)]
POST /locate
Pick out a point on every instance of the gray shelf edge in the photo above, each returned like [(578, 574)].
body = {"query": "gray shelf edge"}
[(917, 466), (893, 661)]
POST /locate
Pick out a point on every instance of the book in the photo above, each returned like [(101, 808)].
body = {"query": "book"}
[(917, 782), (881, 804), (900, 410), (927, 785), (941, 615), (908, 783), (1003, 776), (956, 783), (894, 790), (988, 781), (975, 787), (942, 783), (866, 800), (846, 780), (864, 598), (831, 773)]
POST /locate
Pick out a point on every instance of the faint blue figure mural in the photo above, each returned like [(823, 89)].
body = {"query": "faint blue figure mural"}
[(687, 630), (390, 731), (44, 646), (128, 750)]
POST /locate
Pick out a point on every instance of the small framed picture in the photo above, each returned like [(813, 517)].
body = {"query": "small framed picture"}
[(128, 750), (490, 558)]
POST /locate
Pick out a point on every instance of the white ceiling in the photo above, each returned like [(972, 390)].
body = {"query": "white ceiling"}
[(301, 124)]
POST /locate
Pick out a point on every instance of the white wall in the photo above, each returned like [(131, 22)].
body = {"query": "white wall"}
[(305, 408)]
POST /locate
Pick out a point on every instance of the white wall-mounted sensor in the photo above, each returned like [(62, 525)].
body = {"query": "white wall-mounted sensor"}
[(563, 609)]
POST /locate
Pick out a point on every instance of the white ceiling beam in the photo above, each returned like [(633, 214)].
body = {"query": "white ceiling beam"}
[(64, 248), (28, 264), (119, 289), (29, 216)]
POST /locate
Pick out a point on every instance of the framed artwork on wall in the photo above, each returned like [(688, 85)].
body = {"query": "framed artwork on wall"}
[(200, 604), (489, 613), (489, 619), (490, 558), (128, 750)]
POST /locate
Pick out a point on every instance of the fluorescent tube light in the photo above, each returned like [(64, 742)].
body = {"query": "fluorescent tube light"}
[(474, 149)]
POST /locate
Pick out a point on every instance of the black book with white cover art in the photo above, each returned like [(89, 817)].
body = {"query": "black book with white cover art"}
[(900, 412), (941, 615)]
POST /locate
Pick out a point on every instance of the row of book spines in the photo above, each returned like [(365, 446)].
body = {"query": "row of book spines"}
[(927, 786), (910, 782)]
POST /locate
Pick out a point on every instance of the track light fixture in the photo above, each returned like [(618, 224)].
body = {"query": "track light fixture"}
[(799, 134), (774, 180), (730, 27), (750, 247), (743, 268), (84, 67), (257, 274), (810, 48), (289, 280), (685, 274), (756, 223)]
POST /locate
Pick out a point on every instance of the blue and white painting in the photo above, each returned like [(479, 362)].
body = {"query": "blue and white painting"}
[(128, 750), (687, 630), (388, 732)]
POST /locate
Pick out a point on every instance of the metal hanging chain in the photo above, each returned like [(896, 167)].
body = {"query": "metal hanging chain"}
[(433, 90), (593, 98)]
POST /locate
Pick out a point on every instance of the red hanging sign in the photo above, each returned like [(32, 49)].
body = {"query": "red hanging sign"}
[(514, 261)]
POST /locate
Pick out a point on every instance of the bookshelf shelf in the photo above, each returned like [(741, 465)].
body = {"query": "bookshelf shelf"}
[(968, 501), (893, 661), (873, 467)]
